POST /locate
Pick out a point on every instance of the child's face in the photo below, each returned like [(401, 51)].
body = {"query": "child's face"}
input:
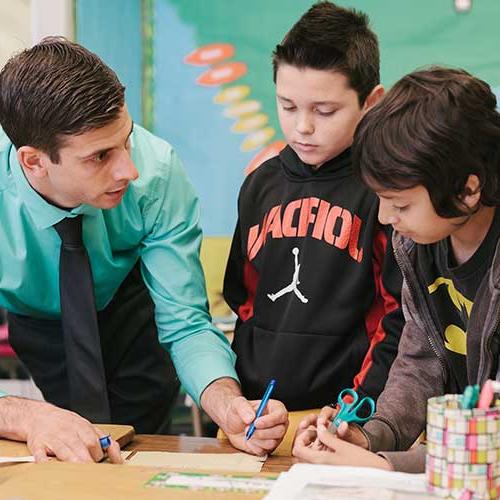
[(411, 213), (318, 112)]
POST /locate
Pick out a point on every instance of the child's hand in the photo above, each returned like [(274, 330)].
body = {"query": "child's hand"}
[(326, 415), (304, 437), (350, 433), (308, 421), (335, 451), (306, 432)]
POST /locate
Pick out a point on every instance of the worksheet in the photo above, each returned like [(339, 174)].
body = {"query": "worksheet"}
[(206, 482), (227, 462), (319, 482)]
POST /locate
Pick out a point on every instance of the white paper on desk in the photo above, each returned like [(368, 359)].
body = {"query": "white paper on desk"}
[(318, 482), (11, 460), (230, 462)]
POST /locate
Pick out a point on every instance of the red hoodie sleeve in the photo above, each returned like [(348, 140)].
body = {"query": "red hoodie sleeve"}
[(384, 321), (240, 279)]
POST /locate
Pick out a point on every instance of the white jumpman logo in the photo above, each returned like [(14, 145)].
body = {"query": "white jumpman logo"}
[(292, 287)]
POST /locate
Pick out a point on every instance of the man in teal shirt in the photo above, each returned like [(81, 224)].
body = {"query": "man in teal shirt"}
[(69, 150)]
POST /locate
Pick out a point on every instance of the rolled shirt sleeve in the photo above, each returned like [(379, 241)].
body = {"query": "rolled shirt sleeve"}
[(172, 271)]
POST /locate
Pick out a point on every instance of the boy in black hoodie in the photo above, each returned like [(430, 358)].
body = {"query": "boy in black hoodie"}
[(311, 274)]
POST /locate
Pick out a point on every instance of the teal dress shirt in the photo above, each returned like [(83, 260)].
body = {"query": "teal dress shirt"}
[(156, 222)]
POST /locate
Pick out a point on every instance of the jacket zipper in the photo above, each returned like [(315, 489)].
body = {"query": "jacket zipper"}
[(481, 377), (486, 356), (414, 294)]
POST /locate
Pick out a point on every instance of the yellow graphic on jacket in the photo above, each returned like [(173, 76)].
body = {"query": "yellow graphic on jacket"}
[(455, 337)]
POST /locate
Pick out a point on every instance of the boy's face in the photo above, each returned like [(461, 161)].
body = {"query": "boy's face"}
[(411, 213), (94, 168), (318, 112)]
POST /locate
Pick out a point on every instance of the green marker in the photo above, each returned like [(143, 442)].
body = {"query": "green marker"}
[(469, 397)]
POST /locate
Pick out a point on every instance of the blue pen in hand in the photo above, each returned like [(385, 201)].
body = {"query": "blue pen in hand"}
[(105, 442), (261, 408)]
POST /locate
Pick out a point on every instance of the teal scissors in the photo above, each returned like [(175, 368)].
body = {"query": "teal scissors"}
[(348, 412)]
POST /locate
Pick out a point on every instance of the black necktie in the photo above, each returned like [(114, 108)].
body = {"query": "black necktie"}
[(84, 365)]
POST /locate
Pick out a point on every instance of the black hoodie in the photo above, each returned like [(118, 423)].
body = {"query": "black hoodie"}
[(312, 278)]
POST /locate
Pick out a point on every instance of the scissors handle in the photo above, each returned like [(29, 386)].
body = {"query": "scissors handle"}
[(347, 392), (348, 412)]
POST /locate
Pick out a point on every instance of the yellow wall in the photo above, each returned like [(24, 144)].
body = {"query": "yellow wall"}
[(214, 252)]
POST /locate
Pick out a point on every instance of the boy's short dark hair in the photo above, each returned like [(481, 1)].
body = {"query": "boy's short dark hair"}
[(328, 37), (434, 128), (53, 89)]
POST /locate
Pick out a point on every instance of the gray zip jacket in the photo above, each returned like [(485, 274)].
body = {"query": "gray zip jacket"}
[(421, 371)]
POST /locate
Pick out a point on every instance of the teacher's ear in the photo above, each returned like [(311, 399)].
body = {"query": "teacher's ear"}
[(33, 161)]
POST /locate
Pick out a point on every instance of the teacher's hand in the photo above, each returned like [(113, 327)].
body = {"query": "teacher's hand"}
[(52, 431), (270, 428), (233, 413)]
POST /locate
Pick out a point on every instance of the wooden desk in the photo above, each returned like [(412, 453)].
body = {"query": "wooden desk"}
[(182, 444), (61, 481)]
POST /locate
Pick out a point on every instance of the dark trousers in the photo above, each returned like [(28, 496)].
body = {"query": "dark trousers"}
[(141, 380)]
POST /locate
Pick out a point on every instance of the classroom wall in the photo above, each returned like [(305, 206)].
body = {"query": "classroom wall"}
[(411, 34), (24, 22), (113, 29), (156, 46)]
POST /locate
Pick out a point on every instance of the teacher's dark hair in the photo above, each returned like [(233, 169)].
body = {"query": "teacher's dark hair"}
[(56, 88)]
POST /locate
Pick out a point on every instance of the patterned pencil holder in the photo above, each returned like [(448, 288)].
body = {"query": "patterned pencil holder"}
[(463, 449)]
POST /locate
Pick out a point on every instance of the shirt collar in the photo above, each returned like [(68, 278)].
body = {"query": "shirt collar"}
[(44, 214)]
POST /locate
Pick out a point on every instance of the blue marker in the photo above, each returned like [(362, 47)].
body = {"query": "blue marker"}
[(261, 408), (105, 442)]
